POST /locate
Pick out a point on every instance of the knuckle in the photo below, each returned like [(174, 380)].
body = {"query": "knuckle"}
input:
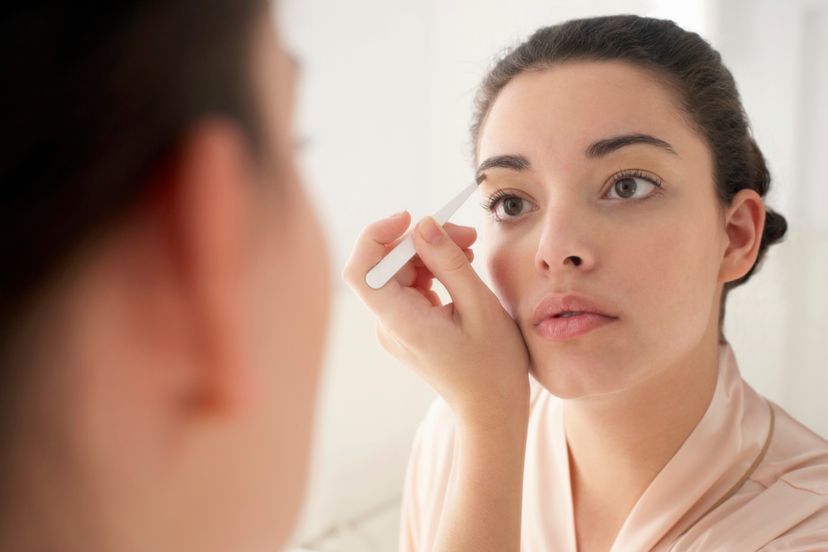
[(349, 274), (367, 230), (455, 262)]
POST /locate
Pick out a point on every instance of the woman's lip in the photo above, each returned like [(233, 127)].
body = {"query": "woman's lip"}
[(558, 303), (570, 327)]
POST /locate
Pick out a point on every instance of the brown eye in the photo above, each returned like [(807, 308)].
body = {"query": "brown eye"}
[(512, 206), (508, 207), (626, 187), (633, 188)]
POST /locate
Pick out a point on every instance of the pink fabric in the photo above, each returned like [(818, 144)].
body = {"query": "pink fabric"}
[(782, 505)]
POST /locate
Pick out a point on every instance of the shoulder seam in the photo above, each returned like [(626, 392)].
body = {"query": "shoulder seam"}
[(797, 487)]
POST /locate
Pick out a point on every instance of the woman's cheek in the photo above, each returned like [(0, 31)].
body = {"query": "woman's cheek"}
[(676, 289), (505, 268)]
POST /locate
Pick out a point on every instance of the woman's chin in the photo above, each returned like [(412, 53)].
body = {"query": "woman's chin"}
[(570, 377)]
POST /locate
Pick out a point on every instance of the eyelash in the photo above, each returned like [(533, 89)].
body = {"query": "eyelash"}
[(491, 202), (637, 173)]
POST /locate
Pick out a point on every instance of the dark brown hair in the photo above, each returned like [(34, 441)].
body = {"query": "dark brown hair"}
[(94, 97), (688, 64), (92, 100)]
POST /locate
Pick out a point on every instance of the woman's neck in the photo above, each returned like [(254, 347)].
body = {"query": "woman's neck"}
[(618, 443)]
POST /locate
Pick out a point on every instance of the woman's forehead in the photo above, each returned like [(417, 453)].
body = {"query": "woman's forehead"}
[(569, 106)]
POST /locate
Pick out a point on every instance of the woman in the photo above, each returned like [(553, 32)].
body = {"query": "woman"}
[(625, 193), (158, 247)]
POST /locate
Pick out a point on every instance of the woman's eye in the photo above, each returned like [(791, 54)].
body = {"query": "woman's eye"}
[(631, 187), (510, 207)]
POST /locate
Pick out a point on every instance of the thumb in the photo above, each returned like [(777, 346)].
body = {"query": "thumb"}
[(448, 263)]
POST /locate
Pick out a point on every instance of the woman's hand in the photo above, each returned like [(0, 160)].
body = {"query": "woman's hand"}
[(473, 354), (469, 350)]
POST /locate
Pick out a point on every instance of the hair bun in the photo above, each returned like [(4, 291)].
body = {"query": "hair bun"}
[(776, 226)]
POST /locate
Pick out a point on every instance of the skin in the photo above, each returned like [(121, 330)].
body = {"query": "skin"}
[(180, 354), (633, 389)]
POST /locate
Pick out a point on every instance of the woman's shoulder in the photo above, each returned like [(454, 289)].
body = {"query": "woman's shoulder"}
[(797, 457), (787, 496)]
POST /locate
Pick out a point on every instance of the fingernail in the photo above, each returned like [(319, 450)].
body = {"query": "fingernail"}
[(429, 230), (396, 215)]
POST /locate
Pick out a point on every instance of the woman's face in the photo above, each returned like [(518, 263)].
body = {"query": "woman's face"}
[(636, 227)]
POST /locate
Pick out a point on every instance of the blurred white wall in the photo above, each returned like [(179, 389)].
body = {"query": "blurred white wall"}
[(386, 101), (778, 323)]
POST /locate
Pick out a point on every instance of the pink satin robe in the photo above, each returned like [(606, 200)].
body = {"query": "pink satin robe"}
[(749, 477)]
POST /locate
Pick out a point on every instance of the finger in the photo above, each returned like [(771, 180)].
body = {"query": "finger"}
[(413, 272), (396, 305), (424, 279), (371, 246), (418, 262), (431, 296), (463, 236), (449, 264), (407, 275)]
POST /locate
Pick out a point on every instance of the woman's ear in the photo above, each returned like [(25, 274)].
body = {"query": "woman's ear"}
[(214, 186), (744, 224), (204, 214)]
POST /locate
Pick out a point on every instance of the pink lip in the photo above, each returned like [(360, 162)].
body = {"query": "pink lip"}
[(555, 304), (549, 324), (561, 329)]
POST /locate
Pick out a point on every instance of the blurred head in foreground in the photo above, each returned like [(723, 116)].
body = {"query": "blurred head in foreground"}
[(165, 290)]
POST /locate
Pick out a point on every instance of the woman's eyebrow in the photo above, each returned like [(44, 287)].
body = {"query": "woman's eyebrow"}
[(513, 162), (609, 145), (598, 149)]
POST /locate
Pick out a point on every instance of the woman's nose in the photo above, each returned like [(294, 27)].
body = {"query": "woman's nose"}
[(565, 244)]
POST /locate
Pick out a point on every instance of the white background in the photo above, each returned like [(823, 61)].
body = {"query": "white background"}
[(386, 100)]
